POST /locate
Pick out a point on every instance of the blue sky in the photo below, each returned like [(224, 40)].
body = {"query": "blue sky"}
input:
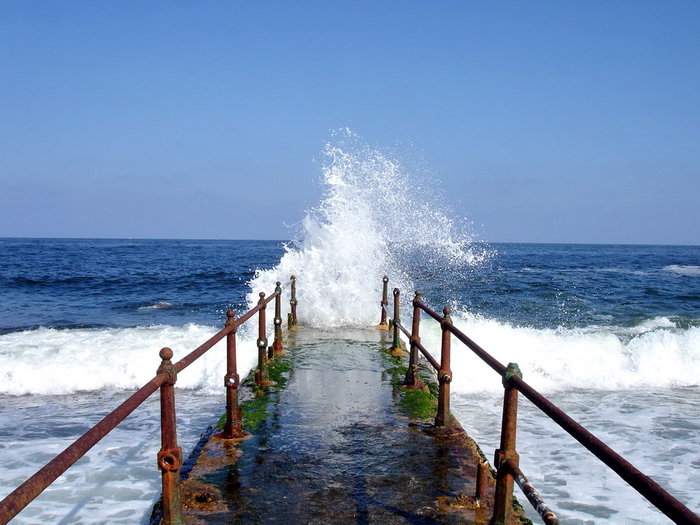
[(545, 121)]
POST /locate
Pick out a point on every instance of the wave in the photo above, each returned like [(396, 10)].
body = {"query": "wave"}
[(51, 361), (682, 269), (374, 215), (653, 354), (157, 306), (656, 353)]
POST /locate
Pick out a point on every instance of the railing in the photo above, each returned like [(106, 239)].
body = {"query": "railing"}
[(170, 455), (506, 456)]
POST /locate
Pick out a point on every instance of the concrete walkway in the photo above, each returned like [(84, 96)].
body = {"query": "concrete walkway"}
[(333, 443)]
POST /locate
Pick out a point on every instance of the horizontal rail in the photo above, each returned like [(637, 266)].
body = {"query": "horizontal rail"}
[(403, 330), (420, 347), (250, 313), (429, 357), (494, 363), (23, 495), (432, 313), (202, 349), (531, 494)]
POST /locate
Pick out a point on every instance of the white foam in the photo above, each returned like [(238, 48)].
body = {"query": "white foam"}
[(157, 306), (371, 212), (655, 354), (49, 361), (683, 269)]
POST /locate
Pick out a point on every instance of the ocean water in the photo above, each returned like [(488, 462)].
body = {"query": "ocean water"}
[(610, 333)]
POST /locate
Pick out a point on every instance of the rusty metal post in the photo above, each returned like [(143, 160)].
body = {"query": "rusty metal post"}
[(482, 472), (412, 379), (503, 499), (234, 416), (277, 343), (385, 301), (261, 376), (443, 417), (170, 455), (396, 341), (292, 317)]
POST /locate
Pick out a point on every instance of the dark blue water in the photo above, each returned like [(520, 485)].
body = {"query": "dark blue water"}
[(576, 285), (125, 283), (122, 283)]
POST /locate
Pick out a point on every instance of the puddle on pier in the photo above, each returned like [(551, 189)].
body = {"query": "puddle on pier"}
[(335, 447)]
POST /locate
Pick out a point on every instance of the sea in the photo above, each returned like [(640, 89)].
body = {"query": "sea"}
[(609, 333)]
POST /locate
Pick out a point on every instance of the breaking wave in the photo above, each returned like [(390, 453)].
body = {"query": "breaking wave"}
[(374, 214)]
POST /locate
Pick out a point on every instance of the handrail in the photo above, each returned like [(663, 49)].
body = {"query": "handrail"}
[(483, 354), (170, 455), (422, 349), (532, 495), (506, 456)]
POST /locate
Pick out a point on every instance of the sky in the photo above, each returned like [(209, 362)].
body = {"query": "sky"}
[(544, 121)]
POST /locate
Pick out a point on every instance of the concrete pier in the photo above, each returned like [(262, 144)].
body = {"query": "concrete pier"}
[(336, 441)]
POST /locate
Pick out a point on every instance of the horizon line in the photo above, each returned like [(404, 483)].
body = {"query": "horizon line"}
[(220, 239)]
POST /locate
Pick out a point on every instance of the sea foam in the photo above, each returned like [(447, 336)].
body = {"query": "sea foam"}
[(50, 361), (374, 213), (653, 354), (683, 269)]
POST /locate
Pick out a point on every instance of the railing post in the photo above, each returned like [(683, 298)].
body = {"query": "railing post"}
[(234, 416), (292, 317), (277, 343), (385, 301), (261, 377), (443, 417), (482, 484), (170, 455), (412, 380), (503, 499), (396, 341)]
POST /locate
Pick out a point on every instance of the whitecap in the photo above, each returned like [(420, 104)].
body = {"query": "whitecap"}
[(156, 306), (683, 269)]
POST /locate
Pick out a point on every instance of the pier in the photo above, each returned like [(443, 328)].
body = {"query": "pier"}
[(345, 425), (333, 440)]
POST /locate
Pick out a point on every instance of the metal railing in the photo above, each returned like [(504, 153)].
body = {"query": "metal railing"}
[(170, 455), (506, 456)]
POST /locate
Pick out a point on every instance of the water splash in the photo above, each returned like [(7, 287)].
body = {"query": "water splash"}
[(373, 216)]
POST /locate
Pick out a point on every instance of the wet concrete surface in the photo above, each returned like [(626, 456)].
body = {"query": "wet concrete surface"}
[(336, 446)]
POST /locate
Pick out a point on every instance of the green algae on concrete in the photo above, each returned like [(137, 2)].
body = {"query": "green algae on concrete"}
[(255, 409), (419, 404)]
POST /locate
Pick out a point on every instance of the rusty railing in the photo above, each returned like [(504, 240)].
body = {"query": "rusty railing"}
[(170, 455), (506, 457)]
